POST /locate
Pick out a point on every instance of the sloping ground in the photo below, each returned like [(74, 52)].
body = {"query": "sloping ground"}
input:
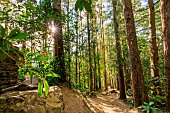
[(73, 102), (99, 104), (108, 104)]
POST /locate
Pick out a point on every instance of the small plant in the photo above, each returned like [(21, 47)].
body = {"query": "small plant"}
[(38, 65), (130, 102), (148, 107), (6, 42)]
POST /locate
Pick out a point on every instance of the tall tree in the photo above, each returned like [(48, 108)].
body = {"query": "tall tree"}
[(68, 43), (103, 45), (139, 90), (58, 42), (118, 52), (90, 57), (153, 46), (77, 36), (165, 16), (94, 36)]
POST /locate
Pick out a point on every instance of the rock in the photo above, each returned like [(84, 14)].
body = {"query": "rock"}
[(28, 81), (104, 93), (112, 91), (9, 71), (30, 102)]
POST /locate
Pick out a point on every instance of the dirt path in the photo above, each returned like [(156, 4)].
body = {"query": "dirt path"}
[(108, 104), (100, 104), (73, 103)]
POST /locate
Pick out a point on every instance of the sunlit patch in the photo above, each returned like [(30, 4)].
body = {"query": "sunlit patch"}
[(53, 27)]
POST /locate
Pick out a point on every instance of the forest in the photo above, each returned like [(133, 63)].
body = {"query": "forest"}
[(93, 46)]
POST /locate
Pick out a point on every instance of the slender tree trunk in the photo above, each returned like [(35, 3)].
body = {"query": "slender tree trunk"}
[(94, 35), (90, 57), (98, 68), (139, 89), (118, 52), (103, 47), (77, 51), (58, 43), (165, 16), (153, 46), (68, 44)]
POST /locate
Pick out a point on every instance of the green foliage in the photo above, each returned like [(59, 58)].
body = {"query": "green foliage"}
[(43, 84), (158, 99), (147, 107), (37, 65), (81, 4), (130, 101), (19, 36), (2, 31), (6, 41)]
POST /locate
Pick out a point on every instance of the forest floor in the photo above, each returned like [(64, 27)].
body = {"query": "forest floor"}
[(110, 103)]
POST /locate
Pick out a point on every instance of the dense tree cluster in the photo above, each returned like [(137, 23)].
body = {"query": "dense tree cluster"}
[(123, 44)]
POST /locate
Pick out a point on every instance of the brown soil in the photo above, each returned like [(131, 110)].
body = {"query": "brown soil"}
[(74, 103)]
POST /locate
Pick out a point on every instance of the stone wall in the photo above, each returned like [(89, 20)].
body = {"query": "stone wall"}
[(8, 71), (29, 102)]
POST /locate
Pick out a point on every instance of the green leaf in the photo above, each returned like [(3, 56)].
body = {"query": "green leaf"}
[(46, 87), (28, 73), (2, 31), (3, 55), (77, 5), (40, 58), (20, 36), (20, 77), (13, 33), (2, 18), (9, 10), (145, 103), (53, 75), (87, 6), (40, 89), (19, 53), (151, 103), (5, 45), (141, 107), (81, 6)]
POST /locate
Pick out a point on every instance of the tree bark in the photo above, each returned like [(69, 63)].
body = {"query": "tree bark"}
[(165, 16), (94, 36), (77, 49), (90, 57), (139, 89), (103, 46), (118, 53), (68, 44), (58, 43), (153, 47)]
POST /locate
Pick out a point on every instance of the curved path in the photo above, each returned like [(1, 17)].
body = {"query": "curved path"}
[(99, 104)]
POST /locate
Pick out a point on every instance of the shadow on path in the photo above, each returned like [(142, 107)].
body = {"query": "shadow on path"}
[(76, 103)]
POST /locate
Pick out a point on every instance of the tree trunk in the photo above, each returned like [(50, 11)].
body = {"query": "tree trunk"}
[(98, 67), (165, 16), (58, 43), (103, 46), (77, 36), (68, 44), (153, 46), (94, 35), (118, 52), (139, 89), (90, 58)]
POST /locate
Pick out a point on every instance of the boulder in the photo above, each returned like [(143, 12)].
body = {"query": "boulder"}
[(9, 71), (29, 102)]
